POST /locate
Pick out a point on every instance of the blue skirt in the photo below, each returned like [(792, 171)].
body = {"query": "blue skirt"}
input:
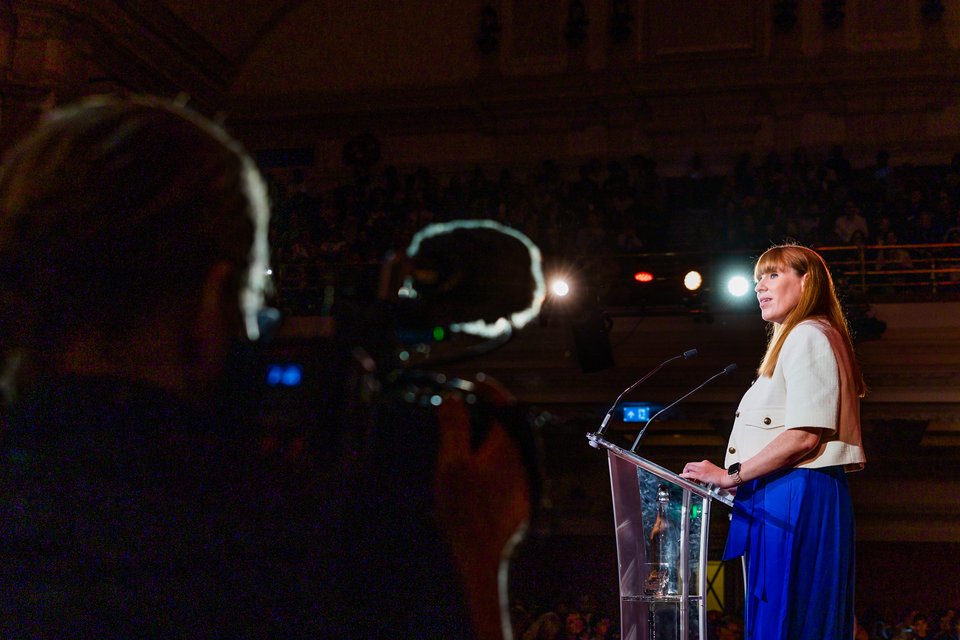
[(796, 529)]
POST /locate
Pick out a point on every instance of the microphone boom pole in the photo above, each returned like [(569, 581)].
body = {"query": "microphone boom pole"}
[(730, 368), (686, 355)]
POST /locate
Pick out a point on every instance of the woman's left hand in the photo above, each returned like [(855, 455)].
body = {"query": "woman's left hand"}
[(705, 472)]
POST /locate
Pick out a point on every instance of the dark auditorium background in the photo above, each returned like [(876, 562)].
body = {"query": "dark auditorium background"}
[(622, 136)]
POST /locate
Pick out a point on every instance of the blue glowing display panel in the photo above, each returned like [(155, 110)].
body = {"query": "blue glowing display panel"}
[(637, 411)]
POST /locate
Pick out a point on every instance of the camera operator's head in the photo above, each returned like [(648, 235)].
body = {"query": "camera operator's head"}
[(132, 244)]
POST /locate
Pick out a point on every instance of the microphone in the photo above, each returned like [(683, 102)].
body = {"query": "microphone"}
[(686, 355), (730, 368)]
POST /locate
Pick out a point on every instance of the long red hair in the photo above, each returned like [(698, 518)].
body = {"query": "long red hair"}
[(818, 298)]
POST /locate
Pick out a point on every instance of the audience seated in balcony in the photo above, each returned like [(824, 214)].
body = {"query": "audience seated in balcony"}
[(627, 206)]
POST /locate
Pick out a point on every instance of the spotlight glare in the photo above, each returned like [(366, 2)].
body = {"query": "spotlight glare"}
[(643, 276), (738, 286), (560, 287), (692, 280)]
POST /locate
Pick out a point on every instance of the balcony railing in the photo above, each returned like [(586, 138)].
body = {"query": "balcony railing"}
[(916, 271)]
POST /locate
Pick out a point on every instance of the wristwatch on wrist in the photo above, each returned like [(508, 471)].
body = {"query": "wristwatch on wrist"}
[(734, 470)]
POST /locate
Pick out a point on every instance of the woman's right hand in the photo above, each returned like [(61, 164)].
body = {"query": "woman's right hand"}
[(705, 472)]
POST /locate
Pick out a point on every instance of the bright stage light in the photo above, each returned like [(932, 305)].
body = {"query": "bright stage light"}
[(692, 280), (559, 287), (738, 286), (643, 276)]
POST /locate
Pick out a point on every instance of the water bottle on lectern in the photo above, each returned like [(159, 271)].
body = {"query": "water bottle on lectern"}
[(662, 561)]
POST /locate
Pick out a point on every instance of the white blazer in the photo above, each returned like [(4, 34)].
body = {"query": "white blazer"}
[(812, 386)]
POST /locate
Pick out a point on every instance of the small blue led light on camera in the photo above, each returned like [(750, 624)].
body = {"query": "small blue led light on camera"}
[(292, 376), (284, 375), (274, 375)]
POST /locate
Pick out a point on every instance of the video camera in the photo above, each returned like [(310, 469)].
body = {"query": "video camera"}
[(363, 379)]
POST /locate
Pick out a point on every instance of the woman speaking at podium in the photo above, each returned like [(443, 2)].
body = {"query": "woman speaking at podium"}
[(796, 434)]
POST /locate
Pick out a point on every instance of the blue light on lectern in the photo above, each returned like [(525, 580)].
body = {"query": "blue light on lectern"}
[(637, 411)]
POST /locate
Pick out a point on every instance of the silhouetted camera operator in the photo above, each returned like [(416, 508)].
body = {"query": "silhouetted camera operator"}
[(135, 499)]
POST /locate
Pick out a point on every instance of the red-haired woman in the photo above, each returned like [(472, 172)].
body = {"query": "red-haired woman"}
[(796, 434)]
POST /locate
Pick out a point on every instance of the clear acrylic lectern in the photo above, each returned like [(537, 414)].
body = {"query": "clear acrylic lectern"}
[(662, 527)]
